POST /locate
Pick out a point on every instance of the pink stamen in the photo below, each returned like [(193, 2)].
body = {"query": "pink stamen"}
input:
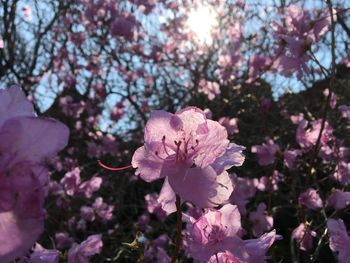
[(164, 146), (157, 154), (113, 168), (178, 144)]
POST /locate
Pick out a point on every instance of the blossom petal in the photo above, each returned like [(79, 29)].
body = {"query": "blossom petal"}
[(211, 145), (201, 186), (257, 248), (147, 163), (231, 218), (159, 125), (232, 157), (32, 139), (167, 198), (14, 103), (17, 235)]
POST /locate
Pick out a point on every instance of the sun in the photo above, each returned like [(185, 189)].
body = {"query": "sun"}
[(201, 22)]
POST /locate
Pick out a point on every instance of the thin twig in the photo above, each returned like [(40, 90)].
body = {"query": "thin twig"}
[(178, 229)]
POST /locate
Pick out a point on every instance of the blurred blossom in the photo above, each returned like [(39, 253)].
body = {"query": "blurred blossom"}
[(261, 221), (42, 255), (266, 153), (71, 181), (154, 207), (245, 189), (103, 210), (338, 199), (87, 213), (342, 173), (304, 236), (208, 113), (310, 199), (63, 240), (290, 157), (90, 186), (80, 253), (231, 125), (211, 89)]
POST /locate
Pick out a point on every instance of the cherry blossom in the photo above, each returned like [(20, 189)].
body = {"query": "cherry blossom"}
[(80, 253), (266, 153), (304, 236), (185, 147), (310, 199)]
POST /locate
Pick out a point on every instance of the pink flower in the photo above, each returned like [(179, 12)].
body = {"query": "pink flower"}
[(87, 213), (266, 153), (90, 186), (296, 119), (103, 210), (270, 183), (63, 240), (257, 65), (295, 39), (155, 252), (42, 255), (192, 152), (124, 27), (213, 232), (117, 111), (304, 237), (261, 221), (290, 157), (310, 199), (211, 89), (224, 257), (339, 240), (339, 199), (245, 188), (208, 113), (80, 253), (71, 181), (308, 138), (154, 207), (230, 125), (26, 142), (342, 173), (255, 249)]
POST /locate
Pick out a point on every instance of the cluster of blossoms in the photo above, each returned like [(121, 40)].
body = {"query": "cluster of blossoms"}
[(109, 64), (295, 38), (193, 154), (217, 233), (332, 152)]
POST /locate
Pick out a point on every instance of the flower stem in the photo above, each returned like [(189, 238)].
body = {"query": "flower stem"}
[(178, 229)]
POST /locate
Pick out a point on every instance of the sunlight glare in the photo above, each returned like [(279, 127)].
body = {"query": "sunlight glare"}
[(201, 21)]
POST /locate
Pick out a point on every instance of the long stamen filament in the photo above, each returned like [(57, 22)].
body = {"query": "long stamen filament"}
[(113, 168), (164, 146)]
